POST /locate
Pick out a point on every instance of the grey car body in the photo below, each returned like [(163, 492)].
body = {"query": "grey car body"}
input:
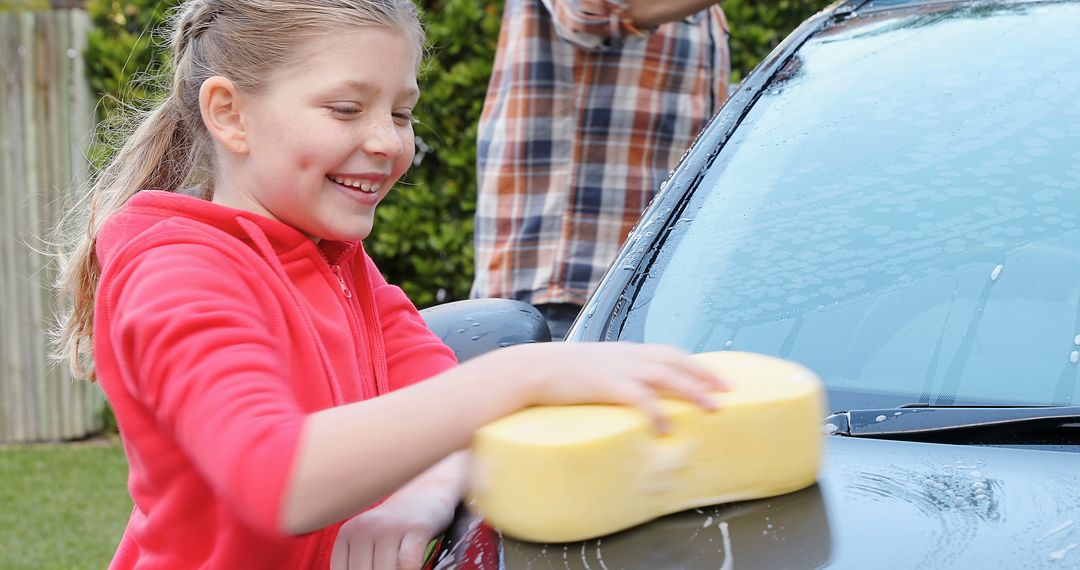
[(891, 199)]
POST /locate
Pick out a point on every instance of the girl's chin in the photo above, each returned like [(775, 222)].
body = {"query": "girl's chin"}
[(354, 232)]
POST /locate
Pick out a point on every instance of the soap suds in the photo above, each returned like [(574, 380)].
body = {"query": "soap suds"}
[(729, 558), (1055, 530), (1060, 554)]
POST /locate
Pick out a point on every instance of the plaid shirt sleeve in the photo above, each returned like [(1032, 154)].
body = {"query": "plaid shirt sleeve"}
[(575, 138)]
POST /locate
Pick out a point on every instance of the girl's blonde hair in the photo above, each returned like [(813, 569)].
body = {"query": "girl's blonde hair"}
[(170, 148)]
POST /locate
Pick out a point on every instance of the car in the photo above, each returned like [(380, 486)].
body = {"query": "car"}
[(891, 199)]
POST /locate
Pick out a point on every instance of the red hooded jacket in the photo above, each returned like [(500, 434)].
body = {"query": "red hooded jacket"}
[(217, 331)]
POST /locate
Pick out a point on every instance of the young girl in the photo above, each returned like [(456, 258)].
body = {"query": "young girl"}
[(265, 378)]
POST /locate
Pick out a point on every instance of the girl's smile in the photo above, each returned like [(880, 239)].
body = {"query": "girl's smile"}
[(364, 189), (366, 183)]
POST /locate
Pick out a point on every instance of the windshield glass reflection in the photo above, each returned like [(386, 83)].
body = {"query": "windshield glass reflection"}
[(899, 213)]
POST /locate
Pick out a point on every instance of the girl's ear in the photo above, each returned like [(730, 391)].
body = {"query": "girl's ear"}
[(221, 104)]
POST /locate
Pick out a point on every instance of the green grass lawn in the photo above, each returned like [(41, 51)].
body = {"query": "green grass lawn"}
[(62, 506)]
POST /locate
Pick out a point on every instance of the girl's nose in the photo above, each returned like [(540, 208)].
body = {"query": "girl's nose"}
[(382, 139)]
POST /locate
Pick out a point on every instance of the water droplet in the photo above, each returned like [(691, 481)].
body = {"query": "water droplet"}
[(996, 272), (1074, 357), (1060, 554)]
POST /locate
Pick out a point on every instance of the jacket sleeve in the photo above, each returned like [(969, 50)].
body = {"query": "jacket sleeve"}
[(591, 23), (193, 342), (413, 352)]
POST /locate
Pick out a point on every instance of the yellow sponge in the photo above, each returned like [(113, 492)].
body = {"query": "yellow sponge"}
[(568, 473)]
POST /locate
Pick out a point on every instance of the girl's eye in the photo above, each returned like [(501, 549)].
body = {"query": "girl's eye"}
[(345, 110), (403, 118)]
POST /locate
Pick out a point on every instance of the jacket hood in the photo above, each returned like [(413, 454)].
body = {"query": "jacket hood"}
[(149, 207)]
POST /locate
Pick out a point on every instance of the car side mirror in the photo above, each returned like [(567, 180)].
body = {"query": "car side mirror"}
[(475, 326)]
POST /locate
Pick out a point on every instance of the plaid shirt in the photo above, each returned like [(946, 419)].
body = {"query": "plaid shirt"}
[(585, 116)]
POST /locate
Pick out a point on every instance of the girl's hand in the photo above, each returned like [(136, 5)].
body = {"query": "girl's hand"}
[(396, 533), (610, 373)]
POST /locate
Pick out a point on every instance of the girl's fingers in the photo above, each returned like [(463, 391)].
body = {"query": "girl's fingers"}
[(411, 554), (705, 375), (678, 358), (645, 399), (339, 557), (360, 553), (385, 556), (672, 383)]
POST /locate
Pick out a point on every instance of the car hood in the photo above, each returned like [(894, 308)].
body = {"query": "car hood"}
[(878, 503)]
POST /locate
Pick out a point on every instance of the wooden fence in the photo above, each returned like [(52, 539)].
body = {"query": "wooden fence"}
[(46, 115)]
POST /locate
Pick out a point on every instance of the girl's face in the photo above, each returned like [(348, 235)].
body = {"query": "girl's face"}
[(331, 134)]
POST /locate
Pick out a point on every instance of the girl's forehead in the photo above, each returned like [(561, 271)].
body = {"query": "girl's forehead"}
[(342, 40), (374, 57)]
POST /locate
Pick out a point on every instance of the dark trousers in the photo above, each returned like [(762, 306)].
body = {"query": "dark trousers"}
[(559, 317)]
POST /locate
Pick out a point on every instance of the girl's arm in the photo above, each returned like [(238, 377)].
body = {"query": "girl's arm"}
[(351, 456), (186, 343)]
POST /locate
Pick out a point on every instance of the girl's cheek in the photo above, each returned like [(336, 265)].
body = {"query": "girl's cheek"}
[(408, 151)]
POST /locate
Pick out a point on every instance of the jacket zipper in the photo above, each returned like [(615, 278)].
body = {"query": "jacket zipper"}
[(336, 270), (351, 314)]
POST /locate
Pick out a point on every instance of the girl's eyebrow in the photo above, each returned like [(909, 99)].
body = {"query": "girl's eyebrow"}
[(368, 87)]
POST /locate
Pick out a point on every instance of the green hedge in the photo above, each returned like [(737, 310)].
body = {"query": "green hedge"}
[(423, 235)]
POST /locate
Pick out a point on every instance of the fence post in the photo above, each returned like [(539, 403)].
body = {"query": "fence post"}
[(46, 117)]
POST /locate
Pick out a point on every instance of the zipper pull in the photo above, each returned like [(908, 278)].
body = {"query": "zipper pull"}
[(341, 281)]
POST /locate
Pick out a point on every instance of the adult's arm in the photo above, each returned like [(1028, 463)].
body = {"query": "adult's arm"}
[(595, 23), (652, 13)]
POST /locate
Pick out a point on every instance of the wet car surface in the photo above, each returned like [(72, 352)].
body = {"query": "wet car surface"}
[(890, 199), (882, 504)]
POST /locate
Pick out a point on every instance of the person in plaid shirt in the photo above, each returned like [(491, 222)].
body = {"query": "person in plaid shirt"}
[(591, 104)]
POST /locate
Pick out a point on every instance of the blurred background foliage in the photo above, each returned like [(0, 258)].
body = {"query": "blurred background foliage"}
[(423, 235), (8, 5)]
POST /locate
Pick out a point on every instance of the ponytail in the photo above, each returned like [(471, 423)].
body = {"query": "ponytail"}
[(160, 154)]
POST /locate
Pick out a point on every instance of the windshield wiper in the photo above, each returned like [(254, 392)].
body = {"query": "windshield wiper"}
[(917, 419)]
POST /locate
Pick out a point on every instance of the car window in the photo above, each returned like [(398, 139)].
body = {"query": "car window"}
[(898, 211)]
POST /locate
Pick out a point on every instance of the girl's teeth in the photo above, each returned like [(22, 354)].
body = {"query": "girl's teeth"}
[(362, 186)]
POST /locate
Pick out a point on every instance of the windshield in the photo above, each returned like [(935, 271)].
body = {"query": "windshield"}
[(898, 212)]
